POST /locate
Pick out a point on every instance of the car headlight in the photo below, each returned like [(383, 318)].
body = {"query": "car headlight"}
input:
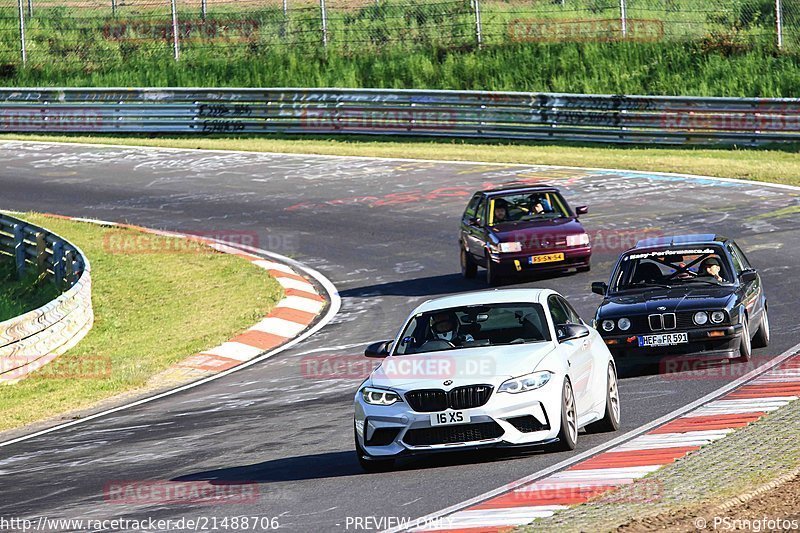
[(608, 325), (506, 247), (380, 396), (717, 317), (578, 240), (624, 324), (526, 383), (700, 318)]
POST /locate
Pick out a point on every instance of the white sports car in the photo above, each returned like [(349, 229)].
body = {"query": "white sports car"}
[(492, 368)]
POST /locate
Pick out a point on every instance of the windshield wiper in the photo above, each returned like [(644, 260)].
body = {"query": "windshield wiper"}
[(647, 284), (714, 283)]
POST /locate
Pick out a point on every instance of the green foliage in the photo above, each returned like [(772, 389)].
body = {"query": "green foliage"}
[(18, 296)]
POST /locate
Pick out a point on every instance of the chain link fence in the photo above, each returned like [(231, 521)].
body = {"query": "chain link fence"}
[(96, 33)]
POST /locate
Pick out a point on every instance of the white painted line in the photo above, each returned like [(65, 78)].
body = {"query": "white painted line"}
[(291, 283), (279, 326), (515, 516), (598, 474), (95, 221), (271, 265), (541, 474), (234, 350), (739, 406), (335, 305), (672, 440), (301, 304)]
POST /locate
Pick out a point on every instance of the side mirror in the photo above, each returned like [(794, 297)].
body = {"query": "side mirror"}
[(599, 287), (568, 332), (581, 209), (748, 276), (378, 349)]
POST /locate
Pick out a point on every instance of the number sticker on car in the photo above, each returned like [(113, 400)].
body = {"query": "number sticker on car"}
[(447, 418), (546, 258), (663, 339)]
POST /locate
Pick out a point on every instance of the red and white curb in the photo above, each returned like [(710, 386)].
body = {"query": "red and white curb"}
[(302, 312), (629, 457)]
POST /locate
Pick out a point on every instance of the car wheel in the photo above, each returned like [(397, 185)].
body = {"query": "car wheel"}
[(468, 267), (369, 464), (492, 275), (745, 346), (568, 434), (610, 421), (761, 340)]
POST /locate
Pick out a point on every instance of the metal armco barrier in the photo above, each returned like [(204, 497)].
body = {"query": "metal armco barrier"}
[(458, 114), (31, 340)]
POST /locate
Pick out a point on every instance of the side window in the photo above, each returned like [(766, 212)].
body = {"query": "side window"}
[(737, 262), (572, 315), (740, 254), (480, 211), (472, 206), (557, 311)]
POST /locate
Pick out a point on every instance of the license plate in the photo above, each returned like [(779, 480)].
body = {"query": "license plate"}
[(449, 417), (663, 339), (546, 258)]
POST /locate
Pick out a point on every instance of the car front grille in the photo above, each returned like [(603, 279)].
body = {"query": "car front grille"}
[(432, 400), (453, 434)]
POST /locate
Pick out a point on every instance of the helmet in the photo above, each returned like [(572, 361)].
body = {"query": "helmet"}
[(444, 325), (709, 262)]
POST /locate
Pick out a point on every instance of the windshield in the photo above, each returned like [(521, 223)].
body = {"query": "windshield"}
[(522, 207), (474, 326), (672, 267)]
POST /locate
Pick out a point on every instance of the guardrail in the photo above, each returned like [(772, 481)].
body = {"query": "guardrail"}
[(458, 114), (33, 339)]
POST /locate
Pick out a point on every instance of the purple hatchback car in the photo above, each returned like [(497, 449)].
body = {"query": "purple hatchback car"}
[(522, 228)]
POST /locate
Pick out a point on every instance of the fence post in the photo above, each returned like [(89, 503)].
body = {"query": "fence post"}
[(113, 8), (175, 43), (285, 8), (30, 8), (324, 23), (204, 9), (41, 252), (623, 18), (22, 32), (58, 263), (779, 22), (478, 37), (19, 249)]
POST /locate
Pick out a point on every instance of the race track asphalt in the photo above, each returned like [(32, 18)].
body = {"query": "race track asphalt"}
[(384, 232)]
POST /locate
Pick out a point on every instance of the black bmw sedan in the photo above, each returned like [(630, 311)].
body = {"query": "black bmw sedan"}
[(693, 296)]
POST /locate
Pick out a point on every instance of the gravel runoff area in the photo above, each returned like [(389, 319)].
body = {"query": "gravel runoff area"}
[(751, 476)]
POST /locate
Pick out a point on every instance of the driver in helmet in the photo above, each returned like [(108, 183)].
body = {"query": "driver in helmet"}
[(711, 267), (444, 326)]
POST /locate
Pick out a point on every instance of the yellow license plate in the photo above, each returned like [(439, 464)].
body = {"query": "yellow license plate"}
[(547, 258)]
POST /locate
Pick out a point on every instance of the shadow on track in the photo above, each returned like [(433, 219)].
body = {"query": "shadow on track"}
[(344, 464)]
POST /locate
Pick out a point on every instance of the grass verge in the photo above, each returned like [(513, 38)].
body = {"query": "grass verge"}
[(18, 296), (151, 311), (777, 164)]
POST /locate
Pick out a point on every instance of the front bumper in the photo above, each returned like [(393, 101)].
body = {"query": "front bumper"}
[(701, 345), (575, 257), (528, 418)]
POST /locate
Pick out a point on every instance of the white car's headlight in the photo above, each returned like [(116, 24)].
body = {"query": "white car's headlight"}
[(380, 396), (700, 318), (526, 383), (578, 240), (624, 324), (507, 247)]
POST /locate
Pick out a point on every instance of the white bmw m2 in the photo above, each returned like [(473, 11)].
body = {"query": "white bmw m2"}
[(512, 367)]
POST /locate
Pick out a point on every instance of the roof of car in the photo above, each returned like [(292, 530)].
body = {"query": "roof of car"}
[(680, 240), (485, 297), (543, 187)]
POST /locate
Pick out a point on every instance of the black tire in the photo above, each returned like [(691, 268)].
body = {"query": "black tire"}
[(568, 434), (368, 464), (469, 269), (610, 420), (745, 343), (761, 338), (492, 275)]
